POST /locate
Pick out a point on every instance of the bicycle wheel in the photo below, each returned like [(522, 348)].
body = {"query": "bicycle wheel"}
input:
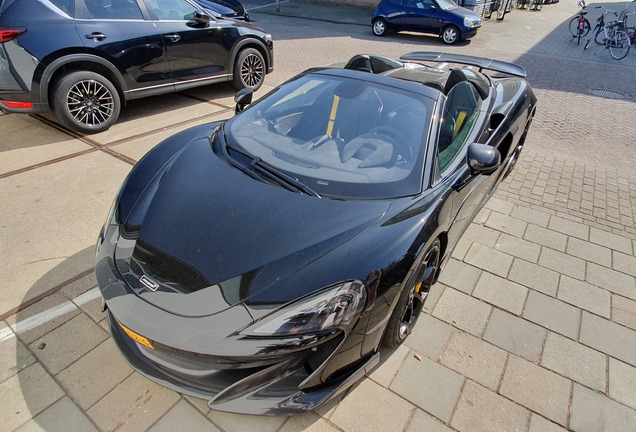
[(574, 26), (585, 27), (579, 29), (619, 45)]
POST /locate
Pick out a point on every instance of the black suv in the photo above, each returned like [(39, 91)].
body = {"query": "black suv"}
[(84, 58)]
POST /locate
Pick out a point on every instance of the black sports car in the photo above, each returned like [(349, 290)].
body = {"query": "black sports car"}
[(260, 262)]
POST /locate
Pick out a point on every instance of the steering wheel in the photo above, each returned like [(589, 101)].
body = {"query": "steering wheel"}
[(403, 148)]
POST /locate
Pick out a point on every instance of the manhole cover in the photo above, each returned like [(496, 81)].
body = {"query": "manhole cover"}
[(608, 94)]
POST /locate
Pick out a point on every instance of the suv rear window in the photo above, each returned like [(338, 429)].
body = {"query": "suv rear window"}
[(4, 5), (65, 6), (109, 9)]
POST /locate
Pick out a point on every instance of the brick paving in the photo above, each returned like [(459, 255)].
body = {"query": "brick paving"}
[(532, 326)]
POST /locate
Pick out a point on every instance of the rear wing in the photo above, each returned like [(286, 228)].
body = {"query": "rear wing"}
[(480, 62)]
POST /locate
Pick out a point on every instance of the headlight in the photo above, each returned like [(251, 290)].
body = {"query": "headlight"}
[(468, 22), (335, 307)]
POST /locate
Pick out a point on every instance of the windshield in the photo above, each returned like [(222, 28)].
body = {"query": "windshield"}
[(447, 4), (341, 137)]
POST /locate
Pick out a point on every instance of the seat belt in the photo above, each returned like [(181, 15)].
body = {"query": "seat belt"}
[(332, 115), (459, 122)]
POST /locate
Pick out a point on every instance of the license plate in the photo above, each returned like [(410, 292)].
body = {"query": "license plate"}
[(136, 337)]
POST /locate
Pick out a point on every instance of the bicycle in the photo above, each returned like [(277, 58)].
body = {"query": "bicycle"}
[(600, 29), (603, 31), (618, 42), (579, 25)]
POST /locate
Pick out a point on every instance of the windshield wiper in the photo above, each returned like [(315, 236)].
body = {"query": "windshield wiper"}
[(264, 169)]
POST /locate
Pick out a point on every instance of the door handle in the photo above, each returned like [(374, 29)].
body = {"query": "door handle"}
[(172, 37), (97, 36)]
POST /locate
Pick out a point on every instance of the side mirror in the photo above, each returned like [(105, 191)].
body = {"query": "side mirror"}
[(201, 17), (243, 98), (483, 159)]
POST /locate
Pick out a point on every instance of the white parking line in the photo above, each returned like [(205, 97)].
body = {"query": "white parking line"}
[(48, 315), (269, 4)]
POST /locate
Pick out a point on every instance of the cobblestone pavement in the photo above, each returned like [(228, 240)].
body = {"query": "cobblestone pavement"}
[(532, 326)]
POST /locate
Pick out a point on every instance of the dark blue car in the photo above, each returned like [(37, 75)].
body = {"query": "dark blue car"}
[(441, 17)]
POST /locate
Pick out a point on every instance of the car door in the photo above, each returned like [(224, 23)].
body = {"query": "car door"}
[(123, 32), (461, 117), (420, 17), (195, 50)]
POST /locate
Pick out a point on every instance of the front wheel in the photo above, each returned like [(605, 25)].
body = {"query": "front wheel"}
[(619, 45), (85, 101), (379, 27), (412, 298), (450, 35), (249, 69)]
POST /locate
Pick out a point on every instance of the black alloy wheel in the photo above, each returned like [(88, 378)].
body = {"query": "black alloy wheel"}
[(413, 297), (514, 158), (86, 101), (249, 70)]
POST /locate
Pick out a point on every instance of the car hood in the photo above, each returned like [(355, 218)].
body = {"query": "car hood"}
[(463, 12), (204, 236)]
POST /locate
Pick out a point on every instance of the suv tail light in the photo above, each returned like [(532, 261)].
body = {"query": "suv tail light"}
[(7, 34)]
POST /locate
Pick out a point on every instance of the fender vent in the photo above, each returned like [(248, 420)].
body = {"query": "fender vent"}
[(607, 94)]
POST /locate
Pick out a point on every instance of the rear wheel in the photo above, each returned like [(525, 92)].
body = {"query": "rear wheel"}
[(249, 69), (579, 29), (86, 101), (412, 298), (619, 45), (379, 27), (450, 35)]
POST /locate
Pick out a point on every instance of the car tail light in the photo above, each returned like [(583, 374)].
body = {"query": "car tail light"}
[(7, 34), (16, 105)]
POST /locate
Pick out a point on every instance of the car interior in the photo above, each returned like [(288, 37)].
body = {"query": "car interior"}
[(358, 130), (460, 108)]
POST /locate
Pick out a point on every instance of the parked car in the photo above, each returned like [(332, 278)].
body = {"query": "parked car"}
[(226, 8), (84, 59), (259, 262), (440, 17)]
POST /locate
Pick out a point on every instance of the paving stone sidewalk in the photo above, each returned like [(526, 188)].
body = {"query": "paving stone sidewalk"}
[(532, 327)]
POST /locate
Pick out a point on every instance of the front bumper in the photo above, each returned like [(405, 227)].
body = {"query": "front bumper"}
[(467, 33), (264, 390), (235, 373)]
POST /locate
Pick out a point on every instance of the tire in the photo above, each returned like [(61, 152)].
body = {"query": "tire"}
[(85, 101), (619, 45), (249, 69), (378, 27), (514, 158), (411, 302), (586, 27), (574, 27), (450, 35)]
